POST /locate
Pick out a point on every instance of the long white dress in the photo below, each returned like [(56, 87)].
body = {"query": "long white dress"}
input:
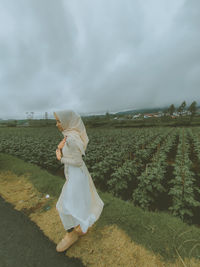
[(79, 202)]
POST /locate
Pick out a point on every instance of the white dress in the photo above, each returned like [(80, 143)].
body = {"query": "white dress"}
[(79, 202)]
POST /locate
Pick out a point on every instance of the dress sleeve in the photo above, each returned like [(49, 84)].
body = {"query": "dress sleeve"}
[(72, 144), (74, 158)]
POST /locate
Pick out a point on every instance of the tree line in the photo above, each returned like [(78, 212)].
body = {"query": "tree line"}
[(192, 108)]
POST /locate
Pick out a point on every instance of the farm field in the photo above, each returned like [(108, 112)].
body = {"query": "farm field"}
[(155, 168)]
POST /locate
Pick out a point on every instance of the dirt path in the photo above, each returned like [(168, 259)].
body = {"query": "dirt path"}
[(23, 244)]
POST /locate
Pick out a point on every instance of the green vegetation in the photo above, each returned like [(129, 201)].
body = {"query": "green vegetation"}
[(155, 168), (157, 231)]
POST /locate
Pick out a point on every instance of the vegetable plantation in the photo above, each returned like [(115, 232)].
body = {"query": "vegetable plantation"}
[(155, 168)]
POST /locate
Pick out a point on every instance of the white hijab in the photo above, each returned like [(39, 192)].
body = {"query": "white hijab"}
[(73, 126)]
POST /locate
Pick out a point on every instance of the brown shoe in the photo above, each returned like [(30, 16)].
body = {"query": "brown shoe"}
[(67, 241), (79, 231)]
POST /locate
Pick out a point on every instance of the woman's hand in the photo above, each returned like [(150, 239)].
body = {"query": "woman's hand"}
[(60, 146), (62, 143), (58, 154)]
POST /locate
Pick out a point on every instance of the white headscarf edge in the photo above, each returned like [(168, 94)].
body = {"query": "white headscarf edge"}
[(73, 126)]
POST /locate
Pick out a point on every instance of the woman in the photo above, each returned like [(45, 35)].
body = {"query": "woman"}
[(79, 204)]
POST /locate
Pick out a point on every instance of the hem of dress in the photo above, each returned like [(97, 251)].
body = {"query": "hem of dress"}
[(92, 219)]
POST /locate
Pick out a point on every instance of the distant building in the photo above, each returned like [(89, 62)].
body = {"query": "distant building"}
[(136, 116), (149, 115)]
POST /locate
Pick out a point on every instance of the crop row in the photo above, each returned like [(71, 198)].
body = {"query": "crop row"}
[(183, 188), (151, 181)]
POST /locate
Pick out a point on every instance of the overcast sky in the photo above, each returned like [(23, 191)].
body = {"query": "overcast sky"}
[(95, 56)]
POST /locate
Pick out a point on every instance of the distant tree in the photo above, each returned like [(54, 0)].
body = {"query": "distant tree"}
[(171, 109), (193, 109), (181, 107), (164, 118)]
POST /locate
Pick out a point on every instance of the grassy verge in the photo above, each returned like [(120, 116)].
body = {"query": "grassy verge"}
[(157, 233)]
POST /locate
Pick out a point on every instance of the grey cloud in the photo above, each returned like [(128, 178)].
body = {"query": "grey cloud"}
[(98, 55)]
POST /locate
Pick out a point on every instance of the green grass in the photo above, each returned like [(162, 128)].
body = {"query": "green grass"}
[(44, 181), (159, 232)]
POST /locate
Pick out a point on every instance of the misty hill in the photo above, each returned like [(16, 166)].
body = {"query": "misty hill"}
[(146, 110), (136, 111)]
